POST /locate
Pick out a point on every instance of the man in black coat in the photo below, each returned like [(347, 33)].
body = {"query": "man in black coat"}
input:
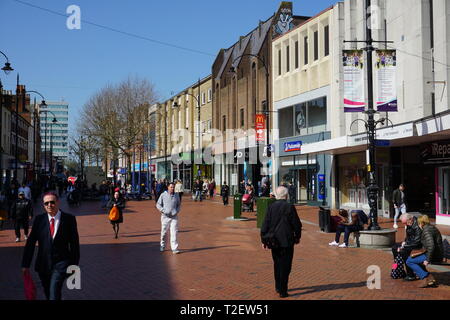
[(412, 241), (282, 220), (57, 235), (21, 211)]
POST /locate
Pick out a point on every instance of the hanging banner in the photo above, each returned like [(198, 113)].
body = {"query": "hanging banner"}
[(354, 90), (385, 66), (260, 126)]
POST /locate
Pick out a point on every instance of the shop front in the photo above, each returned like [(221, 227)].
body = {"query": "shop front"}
[(437, 154), (308, 176)]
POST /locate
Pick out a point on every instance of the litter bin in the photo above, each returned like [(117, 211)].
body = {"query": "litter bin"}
[(237, 209), (325, 219), (262, 204)]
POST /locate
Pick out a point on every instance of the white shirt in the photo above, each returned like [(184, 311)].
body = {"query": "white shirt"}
[(57, 221)]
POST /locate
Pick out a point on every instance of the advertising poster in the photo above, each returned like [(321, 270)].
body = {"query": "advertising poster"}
[(385, 68), (354, 91)]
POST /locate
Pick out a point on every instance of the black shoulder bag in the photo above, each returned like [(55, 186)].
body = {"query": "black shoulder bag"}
[(269, 239)]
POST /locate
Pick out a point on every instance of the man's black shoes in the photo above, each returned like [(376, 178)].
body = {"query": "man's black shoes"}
[(284, 295)]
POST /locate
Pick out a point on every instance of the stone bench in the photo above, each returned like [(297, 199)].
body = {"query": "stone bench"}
[(374, 239)]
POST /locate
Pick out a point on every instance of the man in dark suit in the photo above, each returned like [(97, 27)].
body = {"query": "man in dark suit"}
[(59, 247), (282, 220)]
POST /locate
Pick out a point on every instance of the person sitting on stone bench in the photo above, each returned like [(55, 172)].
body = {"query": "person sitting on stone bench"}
[(433, 252), (346, 227), (412, 242)]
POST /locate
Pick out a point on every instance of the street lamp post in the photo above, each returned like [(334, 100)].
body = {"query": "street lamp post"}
[(46, 125), (7, 69), (371, 123)]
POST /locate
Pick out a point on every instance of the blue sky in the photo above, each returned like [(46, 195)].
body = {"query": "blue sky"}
[(74, 64)]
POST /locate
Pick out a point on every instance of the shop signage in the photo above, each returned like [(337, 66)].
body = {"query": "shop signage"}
[(436, 152), (292, 146), (260, 125), (382, 143)]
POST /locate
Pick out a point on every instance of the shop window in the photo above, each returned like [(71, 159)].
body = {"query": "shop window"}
[(317, 112), (285, 122)]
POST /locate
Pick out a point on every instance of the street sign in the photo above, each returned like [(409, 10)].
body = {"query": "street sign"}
[(382, 143), (260, 127)]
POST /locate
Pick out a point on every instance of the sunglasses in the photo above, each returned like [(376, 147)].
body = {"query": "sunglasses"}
[(49, 203)]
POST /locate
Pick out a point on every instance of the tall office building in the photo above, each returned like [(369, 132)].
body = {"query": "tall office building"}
[(54, 135)]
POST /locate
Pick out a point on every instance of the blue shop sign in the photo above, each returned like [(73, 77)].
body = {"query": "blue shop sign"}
[(292, 146)]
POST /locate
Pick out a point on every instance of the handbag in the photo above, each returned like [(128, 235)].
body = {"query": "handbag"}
[(114, 214), (398, 269), (29, 286), (417, 252), (269, 239)]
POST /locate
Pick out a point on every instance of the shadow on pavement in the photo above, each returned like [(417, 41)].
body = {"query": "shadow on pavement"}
[(108, 272), (442, 278), (327, 287), (207, 248)]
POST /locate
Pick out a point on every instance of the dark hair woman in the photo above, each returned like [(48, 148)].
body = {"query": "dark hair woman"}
[(116, 201)]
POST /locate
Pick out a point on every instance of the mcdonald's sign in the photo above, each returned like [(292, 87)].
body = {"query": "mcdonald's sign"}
[(260, 126)]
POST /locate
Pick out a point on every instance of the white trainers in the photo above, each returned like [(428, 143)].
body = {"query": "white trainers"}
[(176, 251), (342, 245), (333, 244), (26, 238), (161, 248), (17, 239), (395, 226)]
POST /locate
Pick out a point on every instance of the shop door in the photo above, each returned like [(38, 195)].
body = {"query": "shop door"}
[(299, 179)]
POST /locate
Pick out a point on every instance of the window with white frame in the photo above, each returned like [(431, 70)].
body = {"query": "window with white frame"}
[(187, 118), (209, 95), (203, 98)]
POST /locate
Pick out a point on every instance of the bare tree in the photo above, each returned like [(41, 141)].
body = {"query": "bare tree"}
[(116, 116)]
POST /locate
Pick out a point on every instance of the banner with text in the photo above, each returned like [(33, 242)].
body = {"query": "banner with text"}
[(354, 90), (385, 66)]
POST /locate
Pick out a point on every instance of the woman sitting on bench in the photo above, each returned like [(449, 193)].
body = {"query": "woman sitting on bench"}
[(346, 227)]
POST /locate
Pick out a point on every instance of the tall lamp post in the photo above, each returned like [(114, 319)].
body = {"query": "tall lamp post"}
[(7, 69), (43, 104), (371, 124), (265, 104)]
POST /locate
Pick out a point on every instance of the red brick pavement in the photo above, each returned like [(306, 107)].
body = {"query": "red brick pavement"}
[(221, 260)]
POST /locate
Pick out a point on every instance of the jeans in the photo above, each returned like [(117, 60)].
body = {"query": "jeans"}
[(53, 282), (225, 200), (398, 210), (416, 265), (198, 195), (105, 199), (347, 230)]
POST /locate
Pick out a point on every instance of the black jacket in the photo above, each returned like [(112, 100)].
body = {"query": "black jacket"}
[(198, 186), (413, 236), (21, 209), (397, 197), (120, 204), (432, 242), (64, 248), (225, 191), (290, 230)]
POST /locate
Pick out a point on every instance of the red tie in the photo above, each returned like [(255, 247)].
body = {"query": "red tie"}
[(52, 226)]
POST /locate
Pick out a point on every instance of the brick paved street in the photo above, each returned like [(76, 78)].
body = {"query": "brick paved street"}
[(220, 260)]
